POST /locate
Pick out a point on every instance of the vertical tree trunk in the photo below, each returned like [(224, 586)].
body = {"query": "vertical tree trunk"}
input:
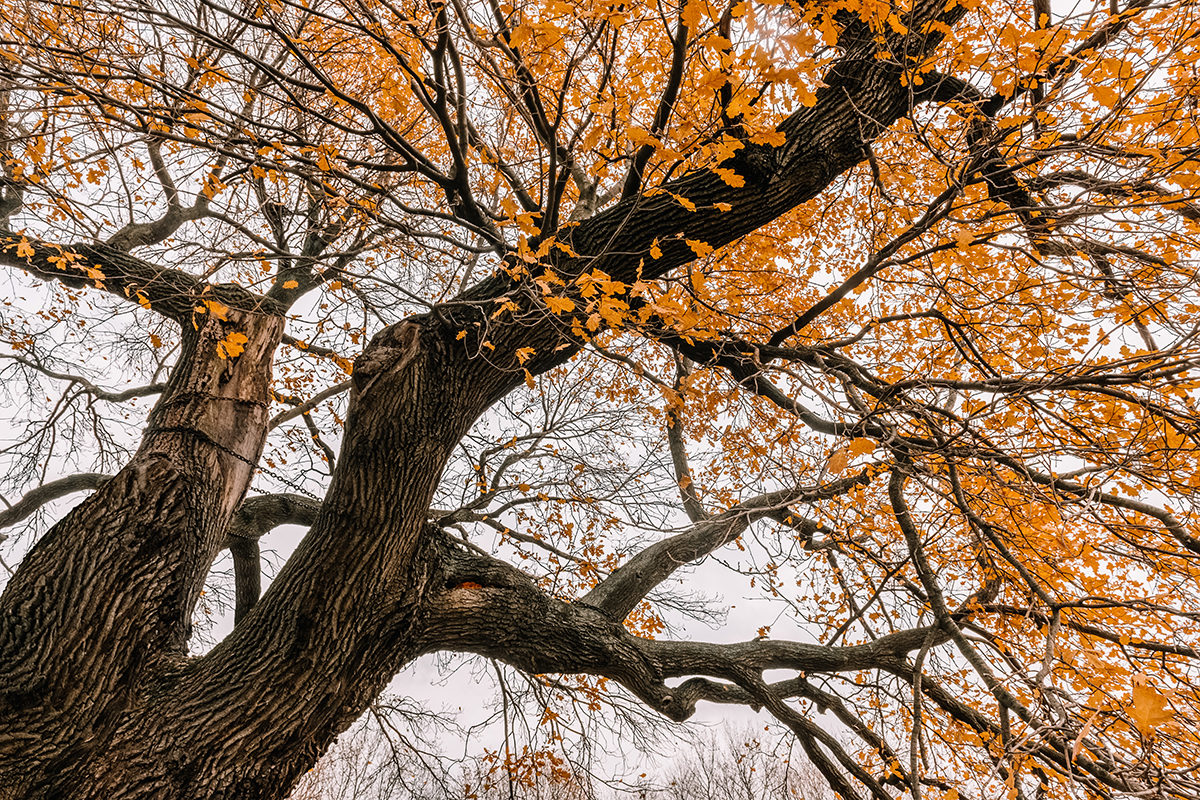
[(250, 717), (104, 599)]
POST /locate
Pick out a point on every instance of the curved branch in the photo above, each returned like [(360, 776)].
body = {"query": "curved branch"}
[(139, 234), (488, 607), (620, 592), (259, 514), (88, 386), (48, 492), (255, 517)]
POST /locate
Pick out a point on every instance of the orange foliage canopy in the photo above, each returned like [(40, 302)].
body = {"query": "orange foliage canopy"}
[(953, 388)]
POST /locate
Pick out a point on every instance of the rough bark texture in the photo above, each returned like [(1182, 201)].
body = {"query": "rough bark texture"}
[(100, 609)]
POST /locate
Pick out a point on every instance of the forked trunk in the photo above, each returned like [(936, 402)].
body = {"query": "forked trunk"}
[(103, 702)]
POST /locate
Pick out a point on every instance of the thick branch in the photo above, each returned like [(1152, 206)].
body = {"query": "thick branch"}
[(48, 492), (247, 576), (255, 517), (677, 659), (171, 292), (491, 608), (620, 593), (647, 236)]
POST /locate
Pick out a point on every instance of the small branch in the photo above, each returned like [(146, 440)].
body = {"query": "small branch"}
[(679, 459), (88, 386), (315, 433), (314, 349), (140, 234), (461, 515), (662, 115), (308, 405), (936, 210), (945, 619)]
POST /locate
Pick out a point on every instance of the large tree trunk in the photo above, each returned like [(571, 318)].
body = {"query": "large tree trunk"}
[(100, 609), (251, 716)]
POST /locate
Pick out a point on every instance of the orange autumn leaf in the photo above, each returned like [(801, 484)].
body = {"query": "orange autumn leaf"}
[(1149, 710)]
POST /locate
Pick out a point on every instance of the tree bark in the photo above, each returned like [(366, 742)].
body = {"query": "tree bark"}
[(100, 608)]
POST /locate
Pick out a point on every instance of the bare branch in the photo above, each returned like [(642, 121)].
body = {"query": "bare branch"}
[(49, 492), (87, 385), (308, 405), (621, 592)]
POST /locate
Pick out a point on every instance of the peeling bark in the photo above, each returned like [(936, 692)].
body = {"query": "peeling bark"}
[(100, 608)]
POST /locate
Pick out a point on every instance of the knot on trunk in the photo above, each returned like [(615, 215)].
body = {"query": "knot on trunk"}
[(391, 350)]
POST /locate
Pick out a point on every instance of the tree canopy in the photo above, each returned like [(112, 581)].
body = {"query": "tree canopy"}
[(523, 307)]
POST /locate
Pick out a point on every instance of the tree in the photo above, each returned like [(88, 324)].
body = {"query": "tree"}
[(906, 292), (736, 765)]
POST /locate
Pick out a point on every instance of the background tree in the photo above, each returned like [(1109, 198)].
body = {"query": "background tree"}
[(909, 291), (369, 763)]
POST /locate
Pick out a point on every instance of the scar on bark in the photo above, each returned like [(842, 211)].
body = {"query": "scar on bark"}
[(392, 350)]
